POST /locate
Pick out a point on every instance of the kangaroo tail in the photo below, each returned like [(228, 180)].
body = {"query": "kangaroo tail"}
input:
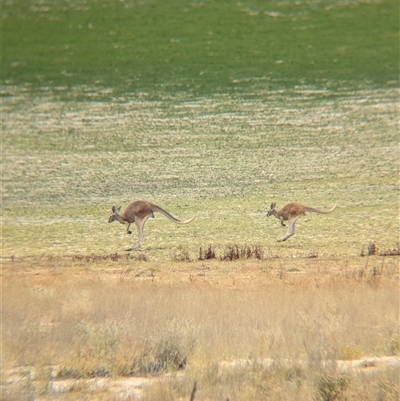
[(312, 209), (174, 219)]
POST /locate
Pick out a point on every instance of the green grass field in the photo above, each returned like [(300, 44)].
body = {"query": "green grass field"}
[(213, 109), (198, 47)]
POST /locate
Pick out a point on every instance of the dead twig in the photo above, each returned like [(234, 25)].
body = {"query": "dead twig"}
[(193, 391)]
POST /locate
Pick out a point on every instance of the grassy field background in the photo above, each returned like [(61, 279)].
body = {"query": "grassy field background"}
[(212, 109), (221, 158)]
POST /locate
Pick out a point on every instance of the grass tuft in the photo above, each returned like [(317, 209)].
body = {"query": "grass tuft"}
[(182, 255), (371, 250), (391, 252), (234, 252), (207, 254), (331, 387), (93, 258)]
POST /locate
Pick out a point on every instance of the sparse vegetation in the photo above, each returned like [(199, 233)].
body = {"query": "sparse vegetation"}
[(392, 252), (234, 252), (182, 255)]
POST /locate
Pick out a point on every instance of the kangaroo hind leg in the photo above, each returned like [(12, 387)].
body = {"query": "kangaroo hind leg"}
[(139, 225), (290, 231)]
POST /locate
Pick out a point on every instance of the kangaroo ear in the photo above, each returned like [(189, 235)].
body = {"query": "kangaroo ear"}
[(273, 204), (113, 209), (118, 208)]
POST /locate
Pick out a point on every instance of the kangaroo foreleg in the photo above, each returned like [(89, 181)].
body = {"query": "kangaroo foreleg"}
[(127, 228)]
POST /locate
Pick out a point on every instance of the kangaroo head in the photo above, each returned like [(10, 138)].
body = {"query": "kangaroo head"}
[(271, 209), (114, 215)]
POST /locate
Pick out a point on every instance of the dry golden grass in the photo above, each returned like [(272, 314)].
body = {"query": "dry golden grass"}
[(84, 318)]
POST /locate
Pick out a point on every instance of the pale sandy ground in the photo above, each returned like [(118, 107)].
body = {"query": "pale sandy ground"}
[(133, 387)]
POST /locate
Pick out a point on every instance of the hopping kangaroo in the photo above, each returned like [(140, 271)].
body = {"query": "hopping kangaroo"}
[(291, 213), (138, 212)]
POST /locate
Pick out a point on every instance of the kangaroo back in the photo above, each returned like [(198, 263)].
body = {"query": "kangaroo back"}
[(159, 209), (314, 210)]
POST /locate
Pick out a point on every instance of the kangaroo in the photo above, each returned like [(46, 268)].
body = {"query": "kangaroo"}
[(291, 213), (138, 212)]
